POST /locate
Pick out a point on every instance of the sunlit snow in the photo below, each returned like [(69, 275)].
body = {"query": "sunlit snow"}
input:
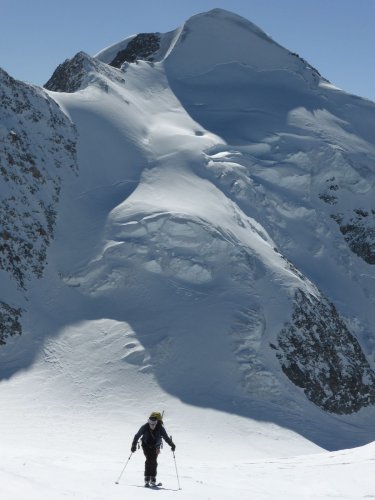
[(169, 277)]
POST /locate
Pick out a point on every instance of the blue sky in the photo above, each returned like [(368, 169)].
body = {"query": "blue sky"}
[(335, 36)]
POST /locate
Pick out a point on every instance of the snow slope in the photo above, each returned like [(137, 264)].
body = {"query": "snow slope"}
[(213, 191), (72, 442), (37, 151)]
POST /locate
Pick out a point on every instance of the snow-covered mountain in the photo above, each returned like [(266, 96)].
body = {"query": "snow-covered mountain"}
[(38, 147), (188, 222)]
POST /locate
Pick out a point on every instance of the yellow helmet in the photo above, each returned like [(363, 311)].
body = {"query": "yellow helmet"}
[(155, 415)]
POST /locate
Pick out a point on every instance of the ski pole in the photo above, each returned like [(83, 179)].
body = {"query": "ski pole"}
[(175, 465), (118, 480), (178, 479)]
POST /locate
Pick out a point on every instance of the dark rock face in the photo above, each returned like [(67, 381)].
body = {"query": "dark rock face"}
[(319, 354), (357, 226), (9, 321), (76, 73), (141, 47), (37, 147), (359, 232), (330, 193), (69, 75)]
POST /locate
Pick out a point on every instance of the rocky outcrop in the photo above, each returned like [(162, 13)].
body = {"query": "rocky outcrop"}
[(357, 226), (359, 232), (329, 194), (9, 321), (37, 147), (319, 354), (76, 73), (69, 75), (142, 47)]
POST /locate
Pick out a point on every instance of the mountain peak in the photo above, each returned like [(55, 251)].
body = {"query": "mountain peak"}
[(155, 46), (76, 73), (68, 76), (222, 16), (219, 37), (222, 38)]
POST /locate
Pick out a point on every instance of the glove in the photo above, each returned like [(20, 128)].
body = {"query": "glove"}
[(134, 448), (173, 446)]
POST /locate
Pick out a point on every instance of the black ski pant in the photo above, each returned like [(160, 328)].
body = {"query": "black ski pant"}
[(151, 463)]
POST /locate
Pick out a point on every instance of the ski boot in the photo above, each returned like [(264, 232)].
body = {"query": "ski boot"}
[(153, 482)]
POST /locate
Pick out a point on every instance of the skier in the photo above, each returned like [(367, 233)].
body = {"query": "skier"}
[(152, 433)]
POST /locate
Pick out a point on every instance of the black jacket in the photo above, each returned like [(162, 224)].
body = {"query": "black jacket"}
[(151, 438)]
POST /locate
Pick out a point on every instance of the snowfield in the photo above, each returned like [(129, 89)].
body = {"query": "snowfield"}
[(211, 193), (68, 422), (73, 442)]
